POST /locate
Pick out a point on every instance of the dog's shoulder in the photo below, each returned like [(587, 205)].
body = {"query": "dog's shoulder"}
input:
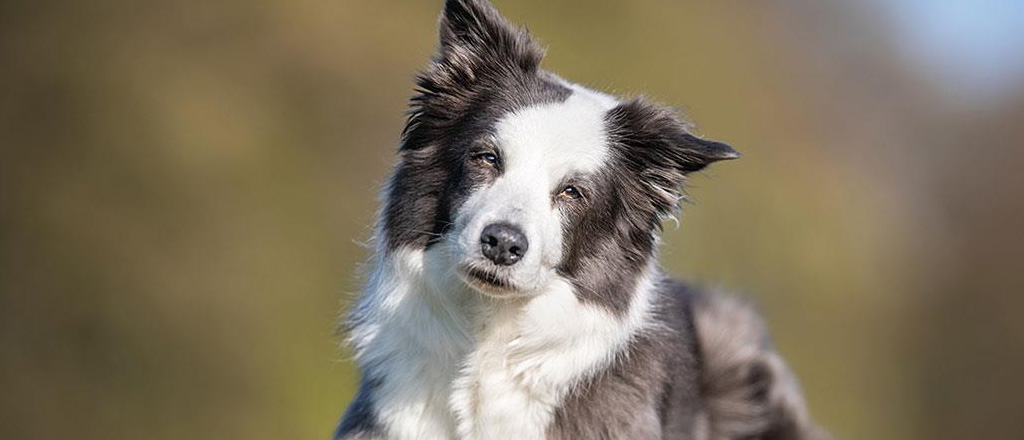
[(704, 369), (360, 422), (633, 397)]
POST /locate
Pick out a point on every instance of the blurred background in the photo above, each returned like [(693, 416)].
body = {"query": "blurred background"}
[(185, 187)]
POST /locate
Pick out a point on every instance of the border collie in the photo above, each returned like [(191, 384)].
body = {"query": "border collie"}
[(514, 292)]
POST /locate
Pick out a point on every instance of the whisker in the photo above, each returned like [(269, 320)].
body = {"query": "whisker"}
[(430, 233)]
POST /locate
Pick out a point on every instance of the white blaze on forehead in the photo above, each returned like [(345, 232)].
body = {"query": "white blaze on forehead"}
[(556, 139)]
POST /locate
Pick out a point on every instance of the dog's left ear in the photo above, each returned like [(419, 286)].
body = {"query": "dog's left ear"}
[(659, 147), (477, 42)]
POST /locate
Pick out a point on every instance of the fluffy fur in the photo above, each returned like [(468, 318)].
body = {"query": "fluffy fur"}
[(580, 335)]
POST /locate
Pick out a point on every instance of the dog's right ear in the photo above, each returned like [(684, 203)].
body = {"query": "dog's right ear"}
[(476, 43)]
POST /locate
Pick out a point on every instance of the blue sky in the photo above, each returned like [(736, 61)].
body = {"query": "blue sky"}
[(973, 48)]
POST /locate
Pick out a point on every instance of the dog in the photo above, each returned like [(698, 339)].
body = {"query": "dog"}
[(514, 291)]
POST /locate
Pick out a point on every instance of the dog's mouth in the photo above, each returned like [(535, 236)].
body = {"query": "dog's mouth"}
[(487, 281)]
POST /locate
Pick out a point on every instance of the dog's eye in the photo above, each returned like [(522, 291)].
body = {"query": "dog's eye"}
[(571, 192), (487, 158)]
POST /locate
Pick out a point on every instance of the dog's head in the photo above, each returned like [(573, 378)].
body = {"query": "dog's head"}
[(513, 178)]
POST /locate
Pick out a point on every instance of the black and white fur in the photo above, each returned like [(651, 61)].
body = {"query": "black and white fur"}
[(572, 332)]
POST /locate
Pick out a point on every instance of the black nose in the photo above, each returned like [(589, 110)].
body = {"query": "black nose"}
[(503, 244)]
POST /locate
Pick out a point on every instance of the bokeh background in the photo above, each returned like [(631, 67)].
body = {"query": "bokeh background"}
[(186, 187)]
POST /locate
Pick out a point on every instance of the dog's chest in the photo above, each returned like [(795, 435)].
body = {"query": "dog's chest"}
[(491, 393), (505, 382), (497, 394)]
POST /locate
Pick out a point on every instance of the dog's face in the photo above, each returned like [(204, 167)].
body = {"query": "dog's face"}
[(515, 179), (528, 182)]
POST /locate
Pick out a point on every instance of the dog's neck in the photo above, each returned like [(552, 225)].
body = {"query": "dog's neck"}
[(446, 360)]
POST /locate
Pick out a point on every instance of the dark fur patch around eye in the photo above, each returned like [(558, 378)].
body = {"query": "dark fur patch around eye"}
[(608, 244), (485, 69), (605, 245)]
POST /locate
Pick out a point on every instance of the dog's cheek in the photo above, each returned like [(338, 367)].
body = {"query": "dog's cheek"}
[(570, 237), (465, 182), (551, 234)]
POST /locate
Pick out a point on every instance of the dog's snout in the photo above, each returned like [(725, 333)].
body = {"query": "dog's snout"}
[(504, 244)]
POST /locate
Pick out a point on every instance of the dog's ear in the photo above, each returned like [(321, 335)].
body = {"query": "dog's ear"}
[(659, 148), (476, 41), (480, 53)]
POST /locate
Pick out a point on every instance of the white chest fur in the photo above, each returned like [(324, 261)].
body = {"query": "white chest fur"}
[(456, 365)]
